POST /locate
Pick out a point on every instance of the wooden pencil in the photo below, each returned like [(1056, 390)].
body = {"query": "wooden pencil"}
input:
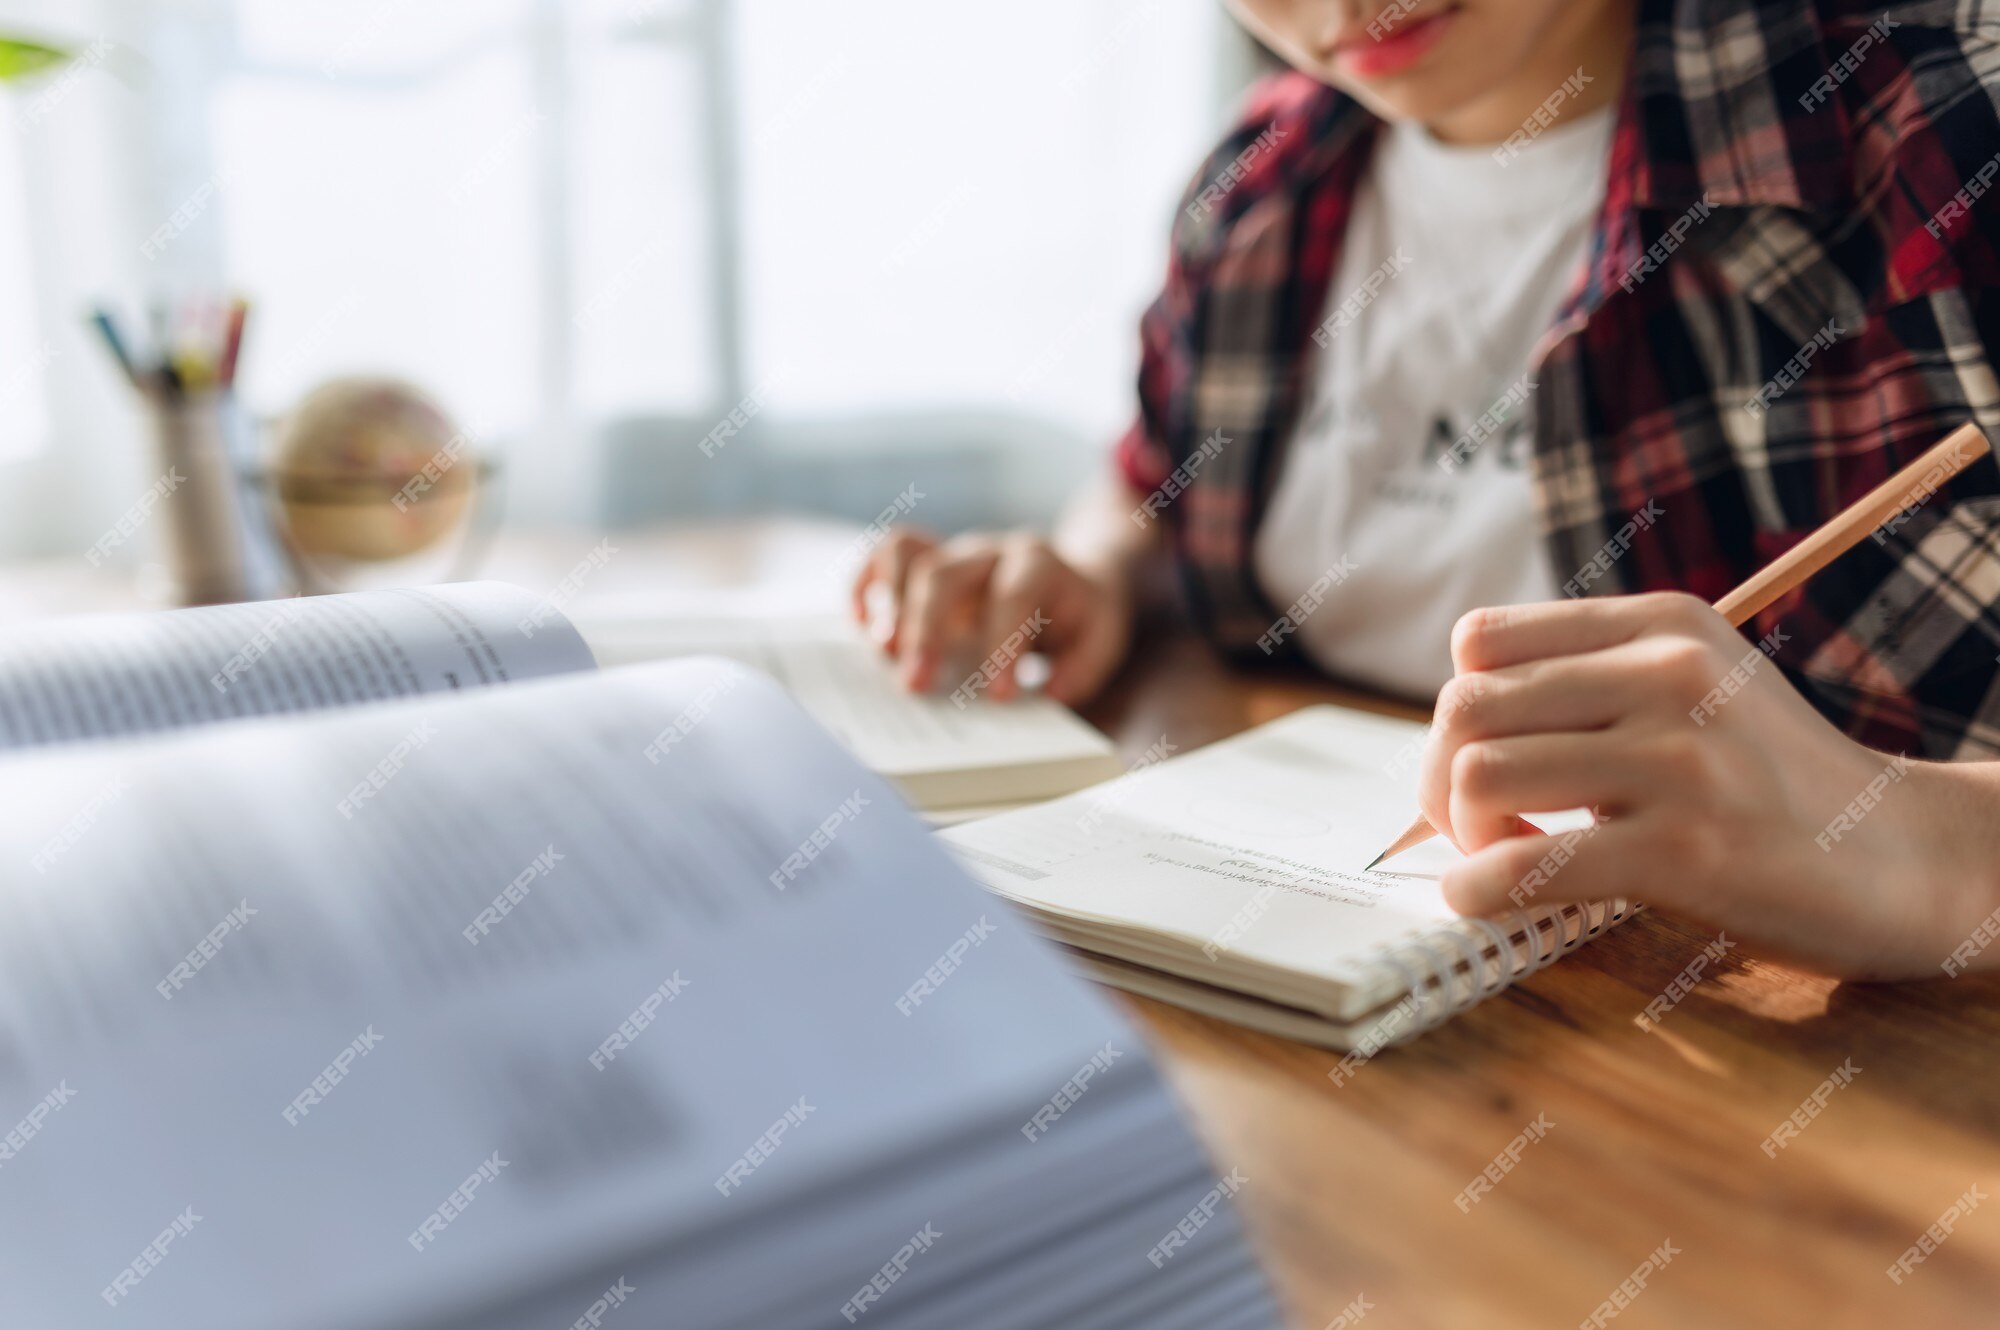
[(1909, 487)]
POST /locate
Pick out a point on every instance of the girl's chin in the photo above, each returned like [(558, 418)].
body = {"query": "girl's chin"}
[(1404, 100)]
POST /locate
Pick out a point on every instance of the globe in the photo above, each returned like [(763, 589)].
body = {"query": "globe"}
[(370, 469)]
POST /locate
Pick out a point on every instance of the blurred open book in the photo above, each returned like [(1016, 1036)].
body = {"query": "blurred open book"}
[(374, 961), (951, 755)]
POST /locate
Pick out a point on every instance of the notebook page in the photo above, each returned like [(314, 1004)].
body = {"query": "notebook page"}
[(1253, 846), (535, 869), (841, 679), (96, 676)]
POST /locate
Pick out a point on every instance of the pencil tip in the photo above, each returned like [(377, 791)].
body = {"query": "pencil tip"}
[(1376, 860)]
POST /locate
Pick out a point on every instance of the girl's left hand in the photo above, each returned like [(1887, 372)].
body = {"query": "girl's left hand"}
[(1722, 795)]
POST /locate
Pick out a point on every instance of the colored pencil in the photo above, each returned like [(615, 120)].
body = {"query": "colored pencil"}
[(232, 342), (108, 330)]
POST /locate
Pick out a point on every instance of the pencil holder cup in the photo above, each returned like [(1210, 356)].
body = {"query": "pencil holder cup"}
[(214, 539)]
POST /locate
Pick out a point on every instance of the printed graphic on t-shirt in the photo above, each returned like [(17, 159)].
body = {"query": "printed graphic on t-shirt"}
[(1426, 481)]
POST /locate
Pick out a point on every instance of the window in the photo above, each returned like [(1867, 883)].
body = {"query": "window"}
[(503, 202), (591, 227)]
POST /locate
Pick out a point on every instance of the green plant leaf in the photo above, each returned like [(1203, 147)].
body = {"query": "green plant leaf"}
[(20, 58)]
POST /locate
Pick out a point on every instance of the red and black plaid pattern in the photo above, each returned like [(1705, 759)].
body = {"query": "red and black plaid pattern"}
[(1793, 289)]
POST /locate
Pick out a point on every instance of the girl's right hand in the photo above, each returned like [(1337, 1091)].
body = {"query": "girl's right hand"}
[(980, 601)]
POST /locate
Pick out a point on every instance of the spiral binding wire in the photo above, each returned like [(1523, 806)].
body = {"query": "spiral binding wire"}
[(1450, 967)]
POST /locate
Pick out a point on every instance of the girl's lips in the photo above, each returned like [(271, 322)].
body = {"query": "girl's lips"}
[(1397, 49)]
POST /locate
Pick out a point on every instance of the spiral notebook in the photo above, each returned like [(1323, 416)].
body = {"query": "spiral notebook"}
[(1229, 881)]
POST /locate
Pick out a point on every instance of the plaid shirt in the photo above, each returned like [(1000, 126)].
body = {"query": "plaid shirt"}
[(1793, 288)]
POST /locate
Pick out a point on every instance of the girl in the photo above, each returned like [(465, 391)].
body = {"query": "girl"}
[(1497, 340)]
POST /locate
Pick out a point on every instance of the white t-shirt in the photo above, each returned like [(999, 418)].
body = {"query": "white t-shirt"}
[(1468, 259)]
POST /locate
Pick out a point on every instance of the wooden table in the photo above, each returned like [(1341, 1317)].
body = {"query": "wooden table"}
[(1652, 1137)]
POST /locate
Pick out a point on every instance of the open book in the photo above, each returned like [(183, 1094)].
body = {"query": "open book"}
[(442, 1005), (1229, 880), (950, 755), (76, 678)]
